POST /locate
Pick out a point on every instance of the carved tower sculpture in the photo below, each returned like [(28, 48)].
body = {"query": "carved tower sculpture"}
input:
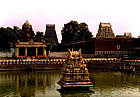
[(51, 35), (74, 73), (27, 32), (105, 30)]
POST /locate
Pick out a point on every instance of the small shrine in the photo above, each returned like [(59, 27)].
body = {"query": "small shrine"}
[(75, 74), (26, 47)]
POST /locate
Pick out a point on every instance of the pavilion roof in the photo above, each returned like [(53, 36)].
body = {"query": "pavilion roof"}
[(30, 44)]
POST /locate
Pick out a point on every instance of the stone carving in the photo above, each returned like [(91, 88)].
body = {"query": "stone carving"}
[(129, 35), (27, 33), (50, 34), (105, 30)]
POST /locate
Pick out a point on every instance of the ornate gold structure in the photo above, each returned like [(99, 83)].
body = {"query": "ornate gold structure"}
[(74, 73)]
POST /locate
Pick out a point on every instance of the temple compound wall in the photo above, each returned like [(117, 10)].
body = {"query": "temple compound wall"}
[(107, 46), (114, 46)]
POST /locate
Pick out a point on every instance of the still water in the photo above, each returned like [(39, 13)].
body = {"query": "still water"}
[(44, 84)]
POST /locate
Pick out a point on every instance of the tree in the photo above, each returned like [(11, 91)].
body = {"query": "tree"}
[(72, 32), (69, 31), (17, 32), (39, 36), (49, 46), (8, 36), (84, 32)]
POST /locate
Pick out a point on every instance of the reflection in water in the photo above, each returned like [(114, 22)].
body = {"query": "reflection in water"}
[(27, 84), (76, 93), (86, 94), (44, 84), (116, 84)]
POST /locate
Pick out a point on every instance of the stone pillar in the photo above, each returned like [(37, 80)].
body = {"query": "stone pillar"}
[(26, 52), (36, 52), (44, 52), (17, 52)]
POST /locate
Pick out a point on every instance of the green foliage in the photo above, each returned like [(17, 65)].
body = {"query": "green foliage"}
[(39, 36), (17, 32), (84, 32), (72, 32), (8, 37), (49, 46)]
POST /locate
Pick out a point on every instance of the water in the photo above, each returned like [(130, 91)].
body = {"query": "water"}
[(44, 84)]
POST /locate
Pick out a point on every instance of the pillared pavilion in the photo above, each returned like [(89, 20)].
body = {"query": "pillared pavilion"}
[(26, 47)]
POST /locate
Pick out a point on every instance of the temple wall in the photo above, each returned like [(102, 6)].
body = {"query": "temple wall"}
[(113, 44), (58, 54), (5, 54)]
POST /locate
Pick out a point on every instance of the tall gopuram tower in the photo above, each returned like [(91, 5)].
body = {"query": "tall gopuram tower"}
[(50, 34), (105, 30), (27, 33), (75, 74)]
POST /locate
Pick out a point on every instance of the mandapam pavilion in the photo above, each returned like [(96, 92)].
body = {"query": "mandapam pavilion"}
[(26, 47)]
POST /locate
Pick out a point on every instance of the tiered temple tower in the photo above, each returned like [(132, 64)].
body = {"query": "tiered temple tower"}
[(50, 34), (105, 30), (74, 73), (27, 33)]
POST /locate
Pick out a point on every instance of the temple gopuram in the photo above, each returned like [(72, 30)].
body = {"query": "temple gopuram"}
[(105, 30), (26, 47), (50, 34)]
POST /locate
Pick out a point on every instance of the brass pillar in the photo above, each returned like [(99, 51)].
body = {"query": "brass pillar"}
[(25, 52), (44, 52), (36, 51), (17, 52)]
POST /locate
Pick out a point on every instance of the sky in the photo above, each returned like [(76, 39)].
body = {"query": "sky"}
[(124, 15)]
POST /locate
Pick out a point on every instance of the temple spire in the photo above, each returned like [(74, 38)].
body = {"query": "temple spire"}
[(27, 33)]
